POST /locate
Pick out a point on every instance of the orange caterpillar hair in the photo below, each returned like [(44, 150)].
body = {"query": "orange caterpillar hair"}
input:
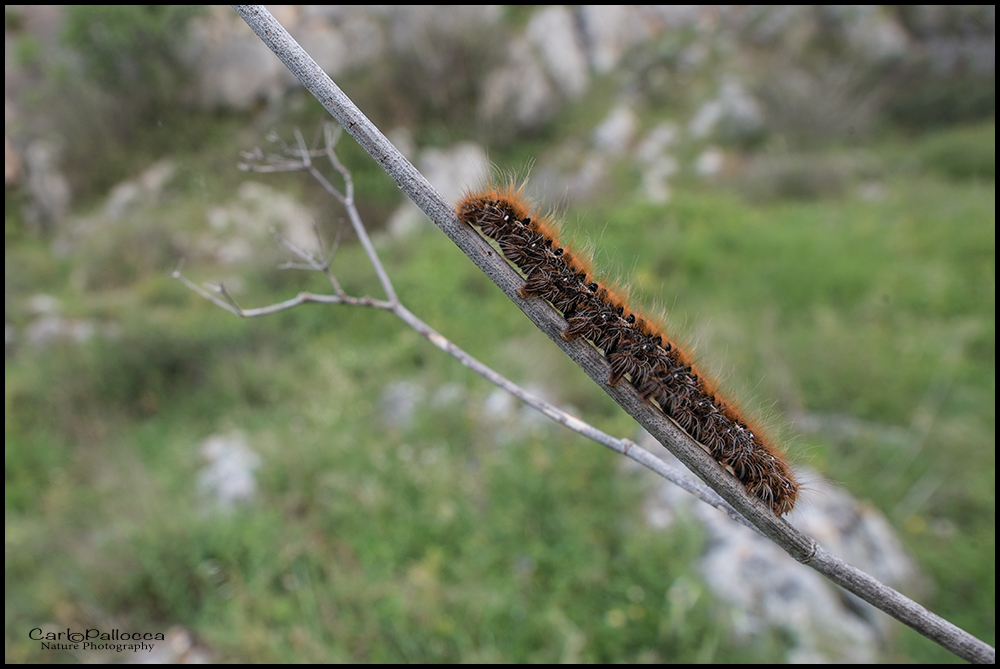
[(637, 349)]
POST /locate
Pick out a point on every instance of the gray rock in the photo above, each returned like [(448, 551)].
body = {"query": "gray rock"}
[(228, 478), (765, 587)]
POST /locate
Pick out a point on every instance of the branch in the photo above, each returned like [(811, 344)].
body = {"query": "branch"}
[(803, 548), (300, 161)]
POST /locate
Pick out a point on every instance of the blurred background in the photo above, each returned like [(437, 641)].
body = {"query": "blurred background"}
[(805, 194)]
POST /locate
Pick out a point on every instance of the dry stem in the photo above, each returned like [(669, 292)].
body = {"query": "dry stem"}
[(299, 158)]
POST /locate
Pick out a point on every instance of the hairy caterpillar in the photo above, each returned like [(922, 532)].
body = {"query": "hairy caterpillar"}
[(634, 346)]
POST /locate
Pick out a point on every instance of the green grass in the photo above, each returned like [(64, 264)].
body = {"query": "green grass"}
[(464, 536)]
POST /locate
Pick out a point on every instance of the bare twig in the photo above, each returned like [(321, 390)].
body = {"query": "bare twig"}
[(219, 296), (798, 545)]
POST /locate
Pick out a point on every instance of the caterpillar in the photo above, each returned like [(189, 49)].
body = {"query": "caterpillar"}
[(637, 349)]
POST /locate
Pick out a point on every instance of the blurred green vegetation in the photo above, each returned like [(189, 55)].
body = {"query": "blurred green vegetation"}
[(443, 539), (118, 102), (132, 51), (464, 535)]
